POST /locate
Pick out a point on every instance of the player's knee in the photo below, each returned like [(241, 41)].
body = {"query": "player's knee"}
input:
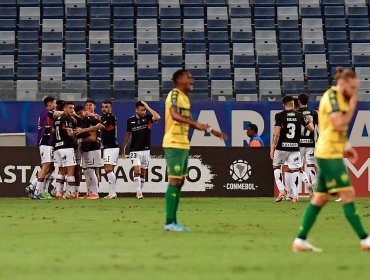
[(347, 196), (320, 200)]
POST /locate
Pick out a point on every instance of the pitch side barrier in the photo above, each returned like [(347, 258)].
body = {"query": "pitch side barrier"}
[(213, 172)]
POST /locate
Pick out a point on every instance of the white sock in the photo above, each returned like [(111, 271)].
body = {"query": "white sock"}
[(142, 181), (312, 173), (39, 186), (112, 182), (71, 184), (137, 181), (288, 183), (58, 183), (303, 176), (93, 181), (279, 180), (34, 182), (295, 181)]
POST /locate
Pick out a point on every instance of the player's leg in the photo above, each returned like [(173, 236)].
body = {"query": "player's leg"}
[(93, 162), (60, 182), (294, 164), (278, 161), (69, 162), (311, 168), (287, 182), (110, 160), (176, 160), (136, 159), (144, 169), (46, 168)]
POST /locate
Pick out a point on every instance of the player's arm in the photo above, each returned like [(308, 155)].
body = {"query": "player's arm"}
[(275, 140), (94, 128), (156, 116), (339, 119), (308, 121), (57, 114), (125, 144)]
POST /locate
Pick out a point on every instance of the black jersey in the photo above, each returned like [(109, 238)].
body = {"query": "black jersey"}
[(291, 123), (62, 139), (308, 137), (109, 133), (89, 146), (140, 129)]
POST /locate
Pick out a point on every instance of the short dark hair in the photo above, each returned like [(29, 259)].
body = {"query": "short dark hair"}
[(288, 99), (60, 104), (67, 103), (79, 108), (107, 102), (90, 101), (253, 127), (178, 74), (303, 98), (139, 104), (48, 99)]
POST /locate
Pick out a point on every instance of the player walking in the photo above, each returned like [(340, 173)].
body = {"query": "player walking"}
[(176, 143), (64, 155), (139, 129), (108, 127), (45, 140), (285, 146), (307, 141), (336, 110)]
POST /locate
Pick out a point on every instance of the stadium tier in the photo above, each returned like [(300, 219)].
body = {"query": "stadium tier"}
[(244, 50)]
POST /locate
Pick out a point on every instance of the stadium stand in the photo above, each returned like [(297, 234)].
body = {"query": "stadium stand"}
[(125, 49)]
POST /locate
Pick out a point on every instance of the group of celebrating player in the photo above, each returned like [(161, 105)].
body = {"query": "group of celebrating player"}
[(73, 137)]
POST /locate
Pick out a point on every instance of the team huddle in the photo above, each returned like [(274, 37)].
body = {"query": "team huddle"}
[(72, 138)]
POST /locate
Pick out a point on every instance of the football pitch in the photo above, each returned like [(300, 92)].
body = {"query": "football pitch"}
[(238, 238)]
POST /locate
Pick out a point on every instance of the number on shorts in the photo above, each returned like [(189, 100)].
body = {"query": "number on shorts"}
[(291, 131)]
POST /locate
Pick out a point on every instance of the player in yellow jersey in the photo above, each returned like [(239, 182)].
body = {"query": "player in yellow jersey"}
[(336, 109), (176, 143)]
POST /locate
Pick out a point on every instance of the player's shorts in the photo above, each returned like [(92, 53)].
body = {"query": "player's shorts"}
[(308, 155), (110, 156), (78, 154), (332, 176), (140, 158), (292, 159), (46, 154), (64, 157), (92, 159), (177, 162)]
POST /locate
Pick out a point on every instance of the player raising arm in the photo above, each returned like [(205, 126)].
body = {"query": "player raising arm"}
[(176, 143), (336, 110)]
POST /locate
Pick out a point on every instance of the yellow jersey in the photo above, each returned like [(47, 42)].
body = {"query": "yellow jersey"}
[(331, 143), (176, 134)]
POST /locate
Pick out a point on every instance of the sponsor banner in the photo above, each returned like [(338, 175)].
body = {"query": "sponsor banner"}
[(231, 117), (219, 172)]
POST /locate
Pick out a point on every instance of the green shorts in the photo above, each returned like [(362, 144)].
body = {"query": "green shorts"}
[(332, 176), (177, 162)]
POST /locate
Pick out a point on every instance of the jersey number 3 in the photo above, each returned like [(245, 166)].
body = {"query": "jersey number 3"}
[(291, 131)]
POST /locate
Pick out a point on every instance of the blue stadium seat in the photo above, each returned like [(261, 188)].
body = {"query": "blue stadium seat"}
[(286, 2), (357, 11), (335, 23), (52, 61), (53, 12), (339, 60), (361, 60), (120, 3), (333, 11), (75, 24), (263, 24), (316, 74), (27, 73), (194, 12), (267, 60), (288, 24), (310, 12), (8, 12), (219, 48), (75, 48), (262, 3), (6, 73), (123, 60), (360, 36), (28, 48), (8, 24), (338, 48), (245, 87), (218, 36), (336, 36), (75, 36), (289, 60), (99, 73), (358, 23), (220, 74), (199, 74), (317, 86), (123, 24), (290, 48), (52, 2), (123, 12), (52, 36), (123, 36), (241, 37), (240, 12), (314, 48), (29, 24), (170, 24), (170, 13), (100, 23), (289, 36), (195, 47), (147, 12), (194, 3), (244, 61), (99, 11), (147, 48), (100, 90), (292, 87), (269, 73), (170, 36), (194, 37), (172, 61), (99, 60), (149, 3), (28, 60), (264, 12), (147, 74), (75, 74), (217, 24), (214, 3), (28, 3), (76, 13)]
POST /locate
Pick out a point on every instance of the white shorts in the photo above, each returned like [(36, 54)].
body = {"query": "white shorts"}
[(92, 159), (46, 154), (308, 155), (140, 158), (292, 159), (64, 157), (78, 156), (110, 156)]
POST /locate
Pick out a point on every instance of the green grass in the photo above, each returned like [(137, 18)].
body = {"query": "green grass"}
[(123, 239)]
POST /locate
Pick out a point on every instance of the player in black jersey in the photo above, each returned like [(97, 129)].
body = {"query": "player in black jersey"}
[(308, 141), (138, 129), (108, 127), (64, 155), (285, 145)]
